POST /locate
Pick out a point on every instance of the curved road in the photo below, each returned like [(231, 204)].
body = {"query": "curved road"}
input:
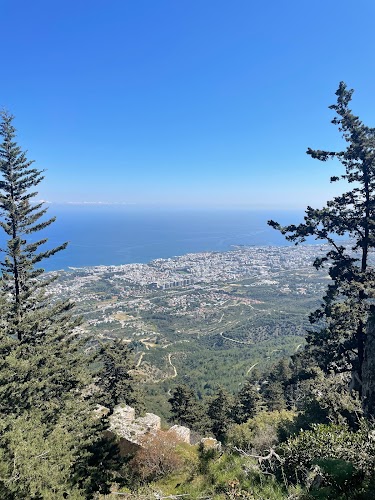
[(140, 360), (174, 368), (234, 340)]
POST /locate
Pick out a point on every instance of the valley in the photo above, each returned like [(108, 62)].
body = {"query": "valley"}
[(203, 319)]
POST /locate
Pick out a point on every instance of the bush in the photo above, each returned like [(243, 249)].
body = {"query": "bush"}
[(157, 456), (263, 431), (325, 399), (330, 455)]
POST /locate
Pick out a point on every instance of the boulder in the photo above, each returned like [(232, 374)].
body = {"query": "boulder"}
[(182, 433), (150, 422), (123, 423)]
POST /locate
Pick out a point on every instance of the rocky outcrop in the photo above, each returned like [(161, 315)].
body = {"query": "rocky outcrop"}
[(182, 433), (124, 424), (131, 429)]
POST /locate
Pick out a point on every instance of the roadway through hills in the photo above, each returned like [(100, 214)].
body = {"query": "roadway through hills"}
[(172, 365)]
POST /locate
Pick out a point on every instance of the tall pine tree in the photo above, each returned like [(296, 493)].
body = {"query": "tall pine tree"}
[(186, 409), (115, 376), (220, 411), (28, 313), (51, 442), (339, 339), (248, 402)]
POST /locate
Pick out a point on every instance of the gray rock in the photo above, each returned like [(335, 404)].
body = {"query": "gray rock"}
[(182, 433), (150, 421), (123, 423)]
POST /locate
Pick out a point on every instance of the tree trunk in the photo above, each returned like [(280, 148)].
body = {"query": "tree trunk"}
[(368, 368)]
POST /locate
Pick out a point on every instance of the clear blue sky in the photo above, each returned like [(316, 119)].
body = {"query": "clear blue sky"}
[(187, 102)]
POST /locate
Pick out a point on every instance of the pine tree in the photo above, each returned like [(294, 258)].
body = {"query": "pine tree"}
[(186, 409), (115, 378), (28, 312), (51, 442), (248, 403), (220, 412), (281, 371), (338, 340), (273, 395)]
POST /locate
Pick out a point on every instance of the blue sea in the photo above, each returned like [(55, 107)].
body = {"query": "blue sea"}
[(120, 234)]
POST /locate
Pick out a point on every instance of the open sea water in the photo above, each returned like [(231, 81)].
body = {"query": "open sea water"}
[(120, 234)]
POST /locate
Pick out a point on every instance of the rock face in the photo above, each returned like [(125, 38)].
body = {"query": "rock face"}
[(130, 430), (150, 422), (182, 433), (124, 424)]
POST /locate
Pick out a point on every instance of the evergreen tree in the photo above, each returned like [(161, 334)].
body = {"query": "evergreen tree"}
[(248, 403), (338, 340), (186, 409), (273, 394), (41, 375), (220, 413), (29, 312), (281, 371), (115, 377), (41, 360), (50, 439), (70, 459)]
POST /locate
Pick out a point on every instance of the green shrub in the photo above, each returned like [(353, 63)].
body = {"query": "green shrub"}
[(263, 431), (325, 399), (331, 457)]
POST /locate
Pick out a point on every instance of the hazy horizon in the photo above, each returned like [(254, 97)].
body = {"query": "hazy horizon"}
[(182, 206)]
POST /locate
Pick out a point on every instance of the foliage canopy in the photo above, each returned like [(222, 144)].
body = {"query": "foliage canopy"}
[(338, 340)]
